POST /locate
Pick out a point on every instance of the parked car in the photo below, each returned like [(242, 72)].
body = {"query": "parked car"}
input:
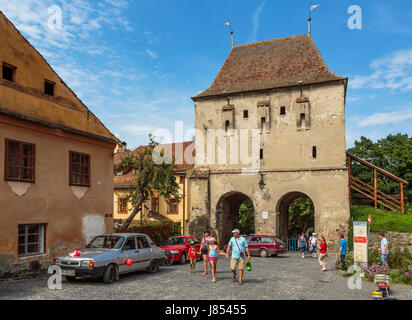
[(109, 255), (179, 246), (264, 245)]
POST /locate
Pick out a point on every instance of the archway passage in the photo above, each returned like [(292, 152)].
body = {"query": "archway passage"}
[(297, 215), (234, 210)]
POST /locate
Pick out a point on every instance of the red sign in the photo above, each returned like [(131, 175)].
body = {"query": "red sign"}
[(369, 219), (360, 239)]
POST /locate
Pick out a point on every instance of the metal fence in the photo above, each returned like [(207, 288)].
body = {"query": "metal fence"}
[(292, 245)]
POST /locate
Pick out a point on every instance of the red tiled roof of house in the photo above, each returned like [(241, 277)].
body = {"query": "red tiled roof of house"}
[(182, 162), (270, 64)]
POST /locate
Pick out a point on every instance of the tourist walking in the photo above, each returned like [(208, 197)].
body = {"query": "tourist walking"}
[(384, 249), (323, 253), (343, 247), (204, 248), (212, 256), (313, 242), (302, 245), (239, 248)]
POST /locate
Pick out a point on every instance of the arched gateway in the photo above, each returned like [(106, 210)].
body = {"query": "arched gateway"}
[(271, 127)]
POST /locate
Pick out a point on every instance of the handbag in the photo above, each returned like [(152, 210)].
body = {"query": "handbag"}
[(241, 252)]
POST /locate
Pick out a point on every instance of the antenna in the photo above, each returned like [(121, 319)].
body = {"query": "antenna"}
[(310, 15), (227, 23)]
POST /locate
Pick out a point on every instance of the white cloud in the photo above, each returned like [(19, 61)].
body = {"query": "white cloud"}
[(382, 118), (152, 54), (393, 72), (255, 22)]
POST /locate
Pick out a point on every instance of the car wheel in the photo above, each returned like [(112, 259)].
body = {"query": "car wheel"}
[(182, 258), (153, 267), (70, 278), (263, 253), (108, 276)]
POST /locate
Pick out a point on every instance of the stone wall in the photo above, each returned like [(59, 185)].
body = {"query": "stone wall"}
[(396, 240)]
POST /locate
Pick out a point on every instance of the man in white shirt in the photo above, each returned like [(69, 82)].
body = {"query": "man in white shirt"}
[(313, 244)]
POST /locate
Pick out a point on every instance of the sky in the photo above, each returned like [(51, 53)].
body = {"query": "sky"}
[(136, 63)]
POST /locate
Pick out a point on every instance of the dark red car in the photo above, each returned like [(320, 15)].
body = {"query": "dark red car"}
[(179, 246), (264, 245)]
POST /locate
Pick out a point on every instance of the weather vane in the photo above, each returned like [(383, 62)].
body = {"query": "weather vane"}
[(227, 23), (310, 15)]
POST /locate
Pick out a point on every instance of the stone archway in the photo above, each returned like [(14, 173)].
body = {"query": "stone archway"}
[(227, 215), (283, 210)]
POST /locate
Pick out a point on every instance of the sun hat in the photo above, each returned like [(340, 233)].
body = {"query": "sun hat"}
[(212, 239), (235, 231), (192, 243)]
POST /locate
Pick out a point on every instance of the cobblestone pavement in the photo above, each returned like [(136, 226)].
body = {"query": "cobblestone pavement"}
[(283, 277)]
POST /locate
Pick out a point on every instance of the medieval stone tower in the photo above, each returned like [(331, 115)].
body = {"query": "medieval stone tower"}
[(270, 128)]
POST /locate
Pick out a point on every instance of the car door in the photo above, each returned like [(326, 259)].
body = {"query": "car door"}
[(144, 255), (252, 244), (129, 251)]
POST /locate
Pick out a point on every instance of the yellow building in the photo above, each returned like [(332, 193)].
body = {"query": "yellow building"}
[(160, 209)]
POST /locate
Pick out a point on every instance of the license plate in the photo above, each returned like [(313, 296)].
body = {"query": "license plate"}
[(69, 272)]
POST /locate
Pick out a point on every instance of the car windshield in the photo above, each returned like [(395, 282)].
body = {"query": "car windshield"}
[(175, 240), (106, 242)]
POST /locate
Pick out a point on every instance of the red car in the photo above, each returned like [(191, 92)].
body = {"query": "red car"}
[(179, 246), (264, 245)]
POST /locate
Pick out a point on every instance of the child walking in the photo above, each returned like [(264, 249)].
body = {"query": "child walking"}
[(192, 256), (302, 245), (213, 253)]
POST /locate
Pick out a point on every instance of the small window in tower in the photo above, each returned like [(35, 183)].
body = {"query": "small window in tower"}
[(9, 72), (227, 123), (49, 87), (282, 111), (262, 122), (245, 114), (261, 154), (314, 152)]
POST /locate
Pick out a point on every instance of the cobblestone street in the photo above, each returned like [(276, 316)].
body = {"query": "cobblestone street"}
[(283, 277)]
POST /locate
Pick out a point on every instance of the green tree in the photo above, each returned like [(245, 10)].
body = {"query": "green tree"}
[(301, 215), (247, 217), (393, 154), (149, 173)]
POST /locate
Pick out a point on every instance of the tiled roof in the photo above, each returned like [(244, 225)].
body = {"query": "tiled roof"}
[(270, 64), (182, 163)]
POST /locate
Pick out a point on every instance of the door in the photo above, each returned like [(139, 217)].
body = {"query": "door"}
[(155, 205), (144, 255), (130, 251)]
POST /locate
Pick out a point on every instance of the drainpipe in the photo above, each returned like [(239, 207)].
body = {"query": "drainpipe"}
[(184, 203)]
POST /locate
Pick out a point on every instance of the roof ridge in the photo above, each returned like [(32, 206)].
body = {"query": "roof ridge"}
[(268, 41)]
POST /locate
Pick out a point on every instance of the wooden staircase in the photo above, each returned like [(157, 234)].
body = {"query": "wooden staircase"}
[(371, 191)]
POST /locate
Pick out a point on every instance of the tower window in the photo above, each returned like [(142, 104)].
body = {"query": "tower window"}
[(282, 111), (245, 114), (314, 152), (49, 87), (261, 154), (8, 72), (262, 122), (227, 123)]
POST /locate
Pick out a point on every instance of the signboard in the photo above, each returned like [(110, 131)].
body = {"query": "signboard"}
[(265, 215), (360, 242), (369, 220)]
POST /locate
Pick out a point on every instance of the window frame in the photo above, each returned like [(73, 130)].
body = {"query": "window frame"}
[(153, 201), (119, 202), (13, 69), (175, 203), (53, 84), (70, 169), (42, 240), (20, 161)]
